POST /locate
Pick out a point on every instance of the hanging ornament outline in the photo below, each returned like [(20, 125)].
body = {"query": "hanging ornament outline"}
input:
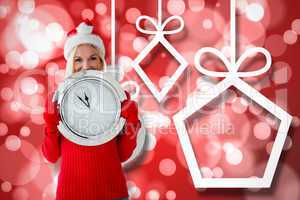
[(233, 78), (159, 38)]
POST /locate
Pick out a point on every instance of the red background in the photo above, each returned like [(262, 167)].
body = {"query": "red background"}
[(34, 178)]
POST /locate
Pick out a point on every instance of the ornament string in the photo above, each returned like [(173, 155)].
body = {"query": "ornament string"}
[(233, 65)]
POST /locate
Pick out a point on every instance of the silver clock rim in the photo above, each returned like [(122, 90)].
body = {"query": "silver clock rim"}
[(67, 91), (118, 93)]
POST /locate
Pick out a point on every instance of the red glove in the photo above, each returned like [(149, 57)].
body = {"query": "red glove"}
[(51, 116), (128, 139), (129, 110)]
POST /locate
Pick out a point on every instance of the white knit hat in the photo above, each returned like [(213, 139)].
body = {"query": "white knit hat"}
[(83, 34)]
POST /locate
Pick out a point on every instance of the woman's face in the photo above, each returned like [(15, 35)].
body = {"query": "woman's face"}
[(87, 57)]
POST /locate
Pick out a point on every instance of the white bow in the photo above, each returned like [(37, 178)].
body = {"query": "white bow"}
[(159, 26), (233, 67)]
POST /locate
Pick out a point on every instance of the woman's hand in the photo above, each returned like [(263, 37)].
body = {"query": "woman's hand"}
[(51, 144), (129, 110), (128, 139), (51, 116)]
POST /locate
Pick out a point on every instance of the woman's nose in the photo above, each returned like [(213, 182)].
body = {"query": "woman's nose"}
[(85, 65)]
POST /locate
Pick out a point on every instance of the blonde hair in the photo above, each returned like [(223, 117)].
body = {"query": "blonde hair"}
[(70, 61)]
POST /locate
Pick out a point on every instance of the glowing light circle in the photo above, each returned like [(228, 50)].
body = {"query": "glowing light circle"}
[(167, 167), (29, 85), (254, 12), (13, 143), (176, 7)]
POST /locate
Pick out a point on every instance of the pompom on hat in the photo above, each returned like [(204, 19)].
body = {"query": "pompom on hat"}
[(82, 34)]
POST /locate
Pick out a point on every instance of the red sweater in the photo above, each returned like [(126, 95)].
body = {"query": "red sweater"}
[(90, 172)]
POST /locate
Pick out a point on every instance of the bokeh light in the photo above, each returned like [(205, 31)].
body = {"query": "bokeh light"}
[(13, 59), (26, 6), (282, 72), (54, 32), (234, 156), (262, 131), (196, 5), (25, 131), (207, 24), (217, 172), (7, 94), (51, 68), (3, 129), (6, 186), (133, 190), (3, 11), (206, 172), (152, 195), (30, 59), (132, 14), (125, 63), (13, 143), (171, 195), (87, 14), (239, 105), (139, 43), (254, 12), (176, 7), (296, 26), (29, 85), (167, 167), (290, 37), (101, 8)]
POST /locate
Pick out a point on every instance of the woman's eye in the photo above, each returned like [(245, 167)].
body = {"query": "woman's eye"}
[(93, 58), (78, 60)]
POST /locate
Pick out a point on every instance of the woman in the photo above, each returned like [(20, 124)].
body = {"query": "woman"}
[(89, 172)]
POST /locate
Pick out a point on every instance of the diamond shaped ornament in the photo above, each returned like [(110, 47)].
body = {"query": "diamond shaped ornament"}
[(159, 95)]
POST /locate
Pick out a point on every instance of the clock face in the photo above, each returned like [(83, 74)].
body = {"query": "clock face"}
[(90, 107)]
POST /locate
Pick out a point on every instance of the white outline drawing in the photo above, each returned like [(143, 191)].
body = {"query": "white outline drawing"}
[(232, 78), (140, 140), (159, 38), (113, 38)]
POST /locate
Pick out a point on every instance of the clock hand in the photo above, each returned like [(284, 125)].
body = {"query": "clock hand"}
[(87, 99), (82, 101)]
